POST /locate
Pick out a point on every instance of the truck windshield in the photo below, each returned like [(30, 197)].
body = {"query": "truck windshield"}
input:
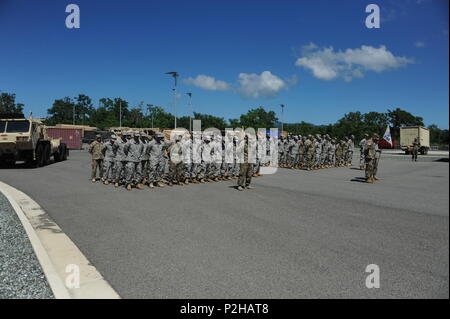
[(18, 127), (2, 126)]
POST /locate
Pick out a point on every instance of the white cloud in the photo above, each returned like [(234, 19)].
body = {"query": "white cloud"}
[(328, 64), (207, 83), (419, 44), (265, 85)]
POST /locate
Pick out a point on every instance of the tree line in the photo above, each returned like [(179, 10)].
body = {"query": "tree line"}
[(81, 111)]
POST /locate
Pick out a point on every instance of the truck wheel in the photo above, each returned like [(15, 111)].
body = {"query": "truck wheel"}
[(46, 154), (64, 152), (39, 156), (58, 154)]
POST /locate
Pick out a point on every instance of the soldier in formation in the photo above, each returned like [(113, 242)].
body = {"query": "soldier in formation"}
[(136, 159), (315, 152)]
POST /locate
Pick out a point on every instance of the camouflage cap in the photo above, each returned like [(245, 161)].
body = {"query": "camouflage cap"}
[(113, 137), (375, 135)]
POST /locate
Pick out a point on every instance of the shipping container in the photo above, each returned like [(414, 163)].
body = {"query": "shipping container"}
[(71, 136), (409, 133)]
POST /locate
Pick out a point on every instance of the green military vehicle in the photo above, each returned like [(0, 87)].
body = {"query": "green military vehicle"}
[(26, 140)]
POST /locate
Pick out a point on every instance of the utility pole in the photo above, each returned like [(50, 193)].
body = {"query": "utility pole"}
[(282, 117), (73, 111), (175, 75), (190, 110)]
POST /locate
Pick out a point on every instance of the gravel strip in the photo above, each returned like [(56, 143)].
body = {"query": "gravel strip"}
[(21, 276)]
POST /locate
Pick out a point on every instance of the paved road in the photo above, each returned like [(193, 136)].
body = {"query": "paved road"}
[(298, 234)]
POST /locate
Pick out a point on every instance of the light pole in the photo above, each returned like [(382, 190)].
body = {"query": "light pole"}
[(73, 114), (175, 75), (190, 110), (282, 118)]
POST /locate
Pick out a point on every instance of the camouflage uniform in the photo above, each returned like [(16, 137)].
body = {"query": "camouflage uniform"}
[(133, 169), (332, 153), (350, 150), (120, 159), (246, 168), (95, 149), (145, 159), (339, 153), (175, 151), (415, 150), (109, 152), (362, 147), (371, 158), (310, 149), (156, 149), (317, 152), (197, 166)]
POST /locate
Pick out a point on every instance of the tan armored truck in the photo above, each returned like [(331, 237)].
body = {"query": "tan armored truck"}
[(26, 140)]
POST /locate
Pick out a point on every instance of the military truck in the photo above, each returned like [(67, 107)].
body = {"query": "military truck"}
[(26, 140), (409, 133)]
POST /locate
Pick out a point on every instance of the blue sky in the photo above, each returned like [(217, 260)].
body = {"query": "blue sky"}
[(316, 57)]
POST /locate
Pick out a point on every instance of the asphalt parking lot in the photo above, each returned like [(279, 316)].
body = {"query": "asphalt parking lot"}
[(299, 234)]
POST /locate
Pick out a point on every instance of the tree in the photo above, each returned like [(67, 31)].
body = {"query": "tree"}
[(438, 136), (256, 118), (351, 123), (83, 109), (8, 104), (209, 121), (61, 112), (375, 122), (161, 119), (135, 118), (399, 118), (303, 128)]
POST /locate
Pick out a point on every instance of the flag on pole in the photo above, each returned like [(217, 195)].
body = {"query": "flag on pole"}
[(387, 136)]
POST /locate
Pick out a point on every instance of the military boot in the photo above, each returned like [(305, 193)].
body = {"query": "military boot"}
[(140, 186), (129, 187)]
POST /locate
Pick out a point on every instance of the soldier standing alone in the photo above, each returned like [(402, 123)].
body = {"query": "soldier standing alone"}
[(246, 168), (415, 149), (95, 149), (372, 158)]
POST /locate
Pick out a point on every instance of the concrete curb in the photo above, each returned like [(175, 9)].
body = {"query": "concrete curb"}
[(57, 253)]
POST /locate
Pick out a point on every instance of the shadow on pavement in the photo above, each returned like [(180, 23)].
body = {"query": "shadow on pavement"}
[(358, 179)]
